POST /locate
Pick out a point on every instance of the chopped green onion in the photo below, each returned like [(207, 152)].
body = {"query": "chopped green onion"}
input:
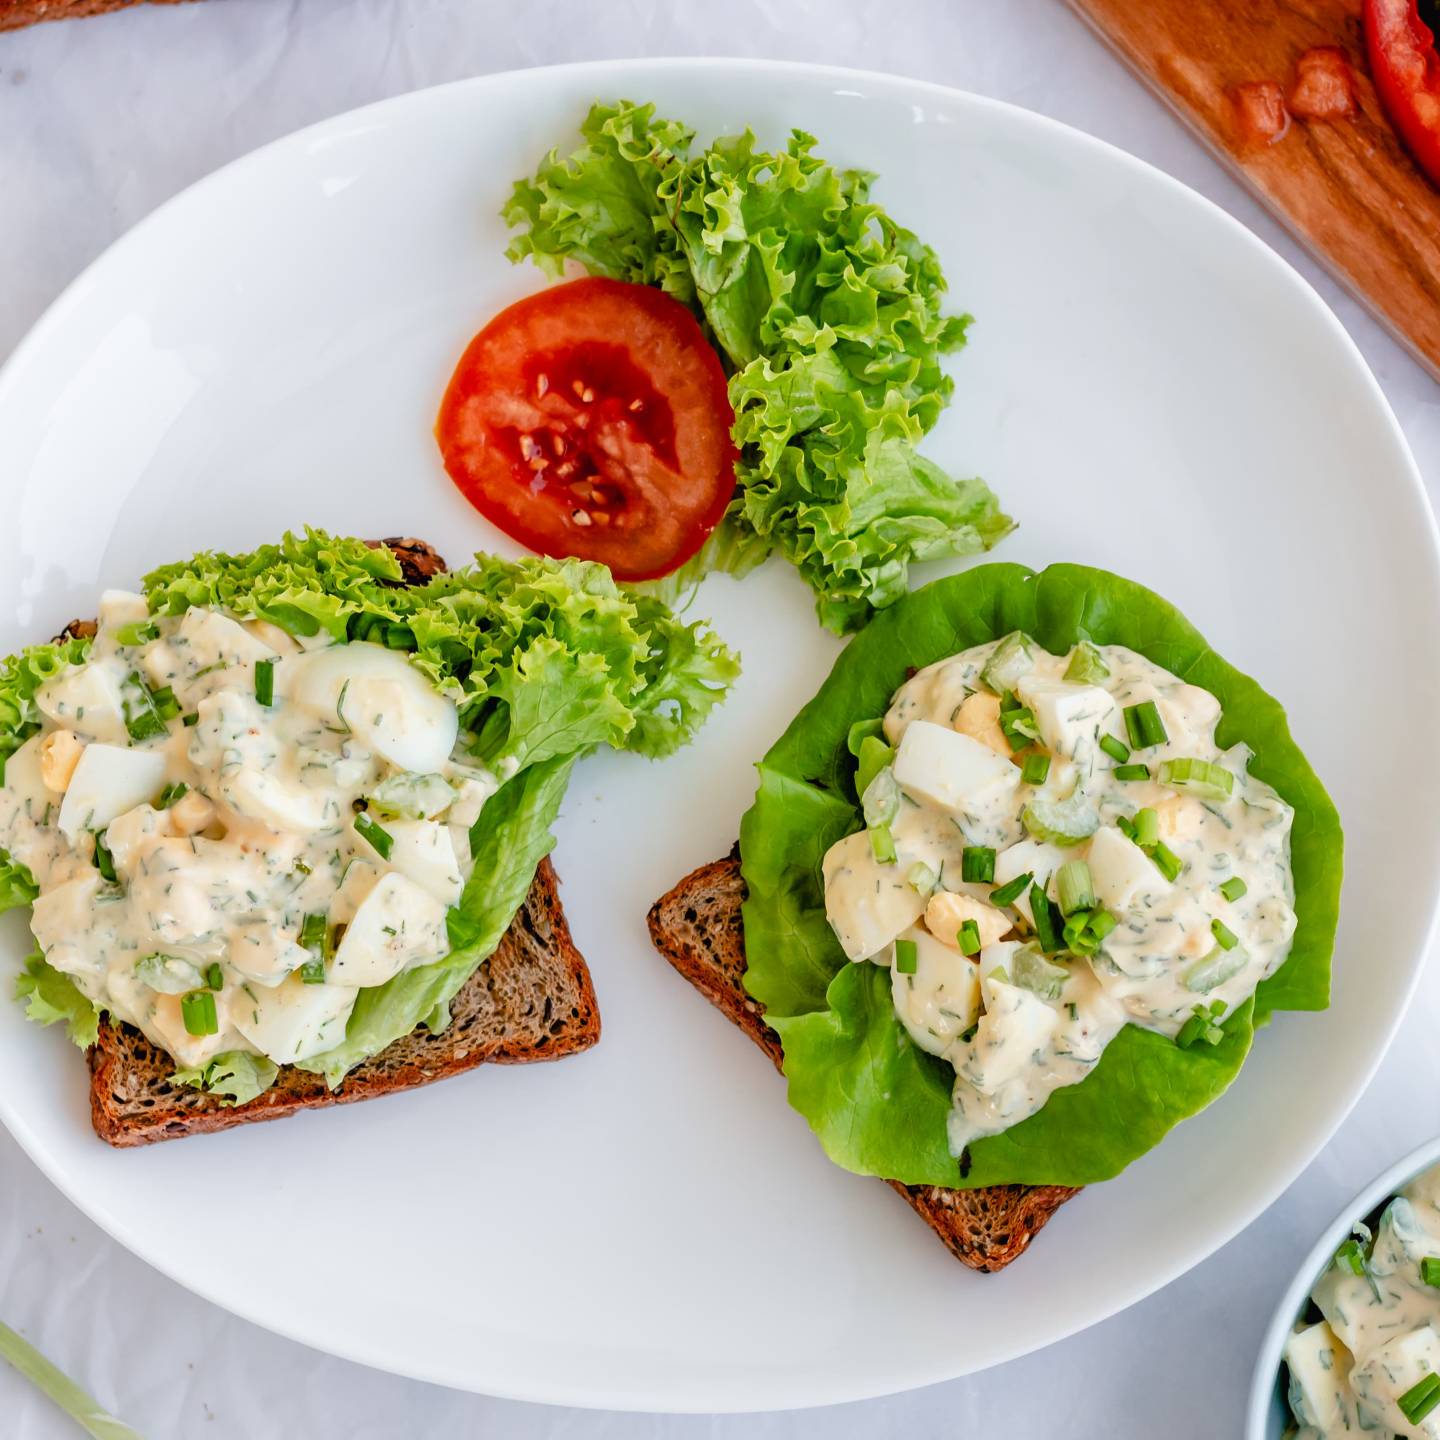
[(1086, 929), (171, 793), (1214, 969), (190, 719), (1086, 667), (1350, 1257), (214, 977), (314, 937), (1008, 662), (907, 956), (166, 703), (169, 974), (1197, 777), (1233, 889), (875, 756), (312, 932), (1101, 923), (969, 938), (1144, 726), (1074, 888), (1421, 1398), (977, 864), (312, 972), (1061, 822), (265, 681), (1147, 828), (1036, 769), (58, 1387), (860, 731), (1017, 723), (104, 860), (137, 633), (1047, 929), (1225, 937), (1132, 772), (1115, 748), (1167, 862), (882, 844), (1032, 971), (142, 718), (1125, 827), (381, 839), (1200, 1026), (197, 1009), (1430, 1270), (1012, 890), (922, 878)]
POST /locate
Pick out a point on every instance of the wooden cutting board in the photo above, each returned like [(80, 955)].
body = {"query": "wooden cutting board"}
[(1346, 188)]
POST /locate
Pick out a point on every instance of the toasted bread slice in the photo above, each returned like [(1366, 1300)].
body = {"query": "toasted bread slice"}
[(15, 14), (531, 1000), (697, 927)]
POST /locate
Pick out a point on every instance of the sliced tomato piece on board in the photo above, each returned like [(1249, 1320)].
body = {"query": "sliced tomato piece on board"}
[(1406, 69), (593, 420)]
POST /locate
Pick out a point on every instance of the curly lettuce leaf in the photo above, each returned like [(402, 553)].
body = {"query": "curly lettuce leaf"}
[(20, 677), (876, 1101), (52, 998), (234, 1077), (830, 317), (17, 885)]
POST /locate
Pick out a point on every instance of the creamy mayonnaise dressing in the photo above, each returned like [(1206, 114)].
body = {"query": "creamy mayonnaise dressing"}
[(240, 833), (1015, 1024), (1365, 1365)]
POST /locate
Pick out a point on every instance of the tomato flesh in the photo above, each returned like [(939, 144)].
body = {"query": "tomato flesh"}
[(593, 420), (1406, 68)]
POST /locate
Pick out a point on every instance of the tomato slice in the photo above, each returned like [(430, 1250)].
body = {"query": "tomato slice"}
[(1406, 68), (593, 420)]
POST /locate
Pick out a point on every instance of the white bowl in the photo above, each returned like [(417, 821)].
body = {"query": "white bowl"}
[(1268, 1415)]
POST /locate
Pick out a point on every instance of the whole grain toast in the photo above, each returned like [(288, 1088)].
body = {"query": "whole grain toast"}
[(531, 1000), (698, 928)]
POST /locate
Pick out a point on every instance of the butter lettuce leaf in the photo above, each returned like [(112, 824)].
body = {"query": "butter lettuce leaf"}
[(876, 1101), (830, 318)]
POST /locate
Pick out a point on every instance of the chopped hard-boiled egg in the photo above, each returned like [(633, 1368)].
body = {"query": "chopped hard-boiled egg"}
[(868, 903), (397, 924), (292, 1020), (939, 1000), (107, 781), (949, 769)]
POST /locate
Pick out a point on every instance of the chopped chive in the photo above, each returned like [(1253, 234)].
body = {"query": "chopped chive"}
[(1115, 748), (1012, 890), (312, 972), (1017, 723), (166, 703), (969, 938), (1224, 936), (882, 843), (1036, 768), (214, 977), (190, 719), (1430, 1270), (1167, 862), (197, 1009), (977, 864), (265, 681), (381, 839), (1132, 772), (1125, 827), (1233, 889), (1047, 931), (171, 793), (1144, 726), (1074, 888), (1087, 666), (1147, 828), (137, 633), (104, 860), (142, 717), (1421, 1398), (907, 956), (1074, 1010), (312, 932)]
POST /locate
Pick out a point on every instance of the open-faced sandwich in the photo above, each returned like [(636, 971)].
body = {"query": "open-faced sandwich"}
[(282, 818), (1019, 886)]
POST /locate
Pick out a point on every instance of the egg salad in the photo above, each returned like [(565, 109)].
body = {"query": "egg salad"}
[(1056, 847), (233, 832)]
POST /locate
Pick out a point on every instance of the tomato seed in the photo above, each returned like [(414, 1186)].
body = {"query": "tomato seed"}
[(580, 517)]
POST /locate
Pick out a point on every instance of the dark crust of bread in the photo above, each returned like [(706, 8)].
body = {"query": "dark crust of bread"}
[(698, 928), (531, 1000), (15, 14)]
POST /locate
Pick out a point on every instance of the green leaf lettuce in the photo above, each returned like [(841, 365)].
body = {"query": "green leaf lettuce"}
[(829, 316), (876, 1101)]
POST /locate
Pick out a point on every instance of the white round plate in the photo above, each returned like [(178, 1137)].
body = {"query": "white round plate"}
[(648, 1225)]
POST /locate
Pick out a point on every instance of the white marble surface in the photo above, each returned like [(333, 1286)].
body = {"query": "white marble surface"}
[(102, 120)]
